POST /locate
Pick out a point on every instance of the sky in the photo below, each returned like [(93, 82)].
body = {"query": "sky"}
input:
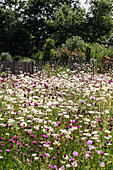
[(84, 4), (82, 1)]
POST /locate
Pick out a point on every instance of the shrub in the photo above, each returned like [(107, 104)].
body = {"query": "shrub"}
[(63, 54), (35, 56), (5, 56), (75, 56), (77, 45), (73, 43), (78, 56), (49, 51), (87, 51), (17, 58), (107, 41), (98, 51), (110, 51)]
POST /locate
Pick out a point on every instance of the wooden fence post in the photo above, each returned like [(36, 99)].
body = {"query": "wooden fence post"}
[(32, 63), (93, 67), (13, 67)]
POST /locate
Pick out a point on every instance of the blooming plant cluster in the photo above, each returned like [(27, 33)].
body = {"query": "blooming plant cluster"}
[(108, 60), (56, 120)]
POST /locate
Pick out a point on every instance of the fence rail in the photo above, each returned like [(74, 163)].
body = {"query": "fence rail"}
[(32, 67), (16, 67)]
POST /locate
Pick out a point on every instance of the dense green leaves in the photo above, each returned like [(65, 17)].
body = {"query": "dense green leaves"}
[(40, 14), (14, 37), (98, 22), (26, 25)]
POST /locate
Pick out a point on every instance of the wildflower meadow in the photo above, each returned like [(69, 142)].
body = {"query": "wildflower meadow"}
[(56, 119)]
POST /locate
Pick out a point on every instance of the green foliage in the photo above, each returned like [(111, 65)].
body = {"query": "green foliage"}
[(26, 25), (49, 49), (14, 36), (66, 22), (26, 59), (87, 51), (40, 55), (107, 41), (17, 58), (47, 53), (77, 45), (101, 54), (37, 15), (73, 43), (65, 54), (5, 56), (98, 21), (98, 52), (110, 52), (35, 56)]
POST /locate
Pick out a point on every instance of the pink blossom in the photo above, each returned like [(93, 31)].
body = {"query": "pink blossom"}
[(102, 164), (74, 164), (61, 168), (87, 155), (89, 142), (34, 142), (47, 154), (55, 166), (7, 150), (28, 160), (41, 155), (75, 153), (101, 152), (15, 157)]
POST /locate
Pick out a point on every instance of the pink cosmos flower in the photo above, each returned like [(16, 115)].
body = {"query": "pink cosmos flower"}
[(41, 155), (7, 150), (47, 154), (75, 153), (49, 165), (87, 155), (26, 144), (34, 142), (36, 104), (15, 157), (61, 168), (102, 164), (74, 164), (55, 166), (89, 142), (28, 160), (101, 152)]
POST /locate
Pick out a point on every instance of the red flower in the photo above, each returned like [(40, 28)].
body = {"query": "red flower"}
[(100, 47)]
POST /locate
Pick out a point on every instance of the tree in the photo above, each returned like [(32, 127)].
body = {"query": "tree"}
[(14, 37), (49, 49), (66, 22), (37, 13), (98, 21)]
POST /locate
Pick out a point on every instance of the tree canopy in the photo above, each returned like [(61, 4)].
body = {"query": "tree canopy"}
[(26, 25), (99, 20)]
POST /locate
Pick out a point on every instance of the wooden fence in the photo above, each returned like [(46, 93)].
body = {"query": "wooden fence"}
[(32, 67), (16, 67)]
